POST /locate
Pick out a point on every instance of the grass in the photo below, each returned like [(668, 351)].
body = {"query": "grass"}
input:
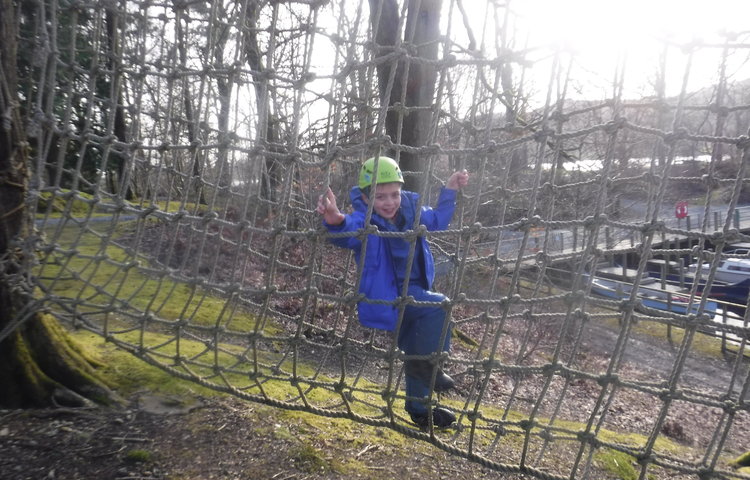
[(139, 456), (743, 460), (94, 270), (95, 273), (700, 343), (77, 204)]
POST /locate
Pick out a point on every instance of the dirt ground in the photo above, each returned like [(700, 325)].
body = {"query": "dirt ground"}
[(228, 438), (218, 438)]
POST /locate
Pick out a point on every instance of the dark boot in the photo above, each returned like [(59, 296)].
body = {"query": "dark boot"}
[(422, 370), (441, 418)]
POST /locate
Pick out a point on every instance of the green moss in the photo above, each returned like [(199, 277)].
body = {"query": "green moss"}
[(309, 459), (94, 271), (139, 456), (705, 344), (617, 463), (742, 461), (283, 433), (77, 204), (92, 276)]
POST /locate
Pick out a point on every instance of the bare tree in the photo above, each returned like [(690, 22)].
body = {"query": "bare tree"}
[(268, 124), (408, 82)]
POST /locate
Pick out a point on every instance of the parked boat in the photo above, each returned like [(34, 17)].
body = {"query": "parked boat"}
[(734, 293), (617, 283), (729, 270)]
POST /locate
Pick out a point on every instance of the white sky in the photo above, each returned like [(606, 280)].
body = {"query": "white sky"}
[(598, 29)]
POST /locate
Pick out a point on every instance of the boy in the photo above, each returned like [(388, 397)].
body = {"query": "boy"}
[(384, 272)]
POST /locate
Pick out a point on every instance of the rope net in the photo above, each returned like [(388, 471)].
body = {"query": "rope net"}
[(179, 150)]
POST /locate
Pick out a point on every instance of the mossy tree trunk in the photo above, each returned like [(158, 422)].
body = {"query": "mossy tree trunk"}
[(39, 364)]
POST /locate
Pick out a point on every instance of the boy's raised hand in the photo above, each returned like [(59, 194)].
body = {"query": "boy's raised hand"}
[(328, 208), (458, 180)]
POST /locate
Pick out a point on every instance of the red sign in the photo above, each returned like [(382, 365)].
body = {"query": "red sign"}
[(681, 209)]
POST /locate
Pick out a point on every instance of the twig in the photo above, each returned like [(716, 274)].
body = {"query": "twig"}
[(131, 439), (367, 449)]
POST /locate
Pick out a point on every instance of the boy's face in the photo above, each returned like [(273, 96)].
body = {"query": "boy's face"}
[(386, 199)]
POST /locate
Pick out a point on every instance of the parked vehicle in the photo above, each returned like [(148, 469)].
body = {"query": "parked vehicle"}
[(651, 292), (734, 294), (729, 270)]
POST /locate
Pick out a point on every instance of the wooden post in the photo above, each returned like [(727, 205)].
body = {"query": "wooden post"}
[(682, 272)]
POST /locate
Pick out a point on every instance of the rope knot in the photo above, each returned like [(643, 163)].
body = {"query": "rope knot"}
[(644, 458), (652, 227), (628, 305), (542, 258), (449, 61), (677, 135), (589, 222), (710, 181), (668, 394), (527, 424), (605, 380), (579, 314), (613, 126), (550, 369), (576, 297), (535, 221), (559, 115), (730, 407), (719, 110), (543, 134), (147, 211)]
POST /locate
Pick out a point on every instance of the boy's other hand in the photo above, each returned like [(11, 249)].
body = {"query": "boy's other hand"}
[(458, 180), (328, 208)]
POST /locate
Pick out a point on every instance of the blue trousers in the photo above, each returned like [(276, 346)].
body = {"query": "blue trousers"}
[(420, 334)]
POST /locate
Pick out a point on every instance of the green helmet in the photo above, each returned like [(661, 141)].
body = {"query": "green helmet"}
[(388, 172)]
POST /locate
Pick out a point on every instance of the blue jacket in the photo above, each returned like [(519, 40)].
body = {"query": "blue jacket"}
[(378, 281)]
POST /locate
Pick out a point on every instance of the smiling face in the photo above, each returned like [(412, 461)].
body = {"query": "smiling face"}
[(386, 199)]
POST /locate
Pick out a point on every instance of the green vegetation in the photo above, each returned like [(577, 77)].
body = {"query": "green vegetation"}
[(77, 204), (309, 459), (743, 460), (138, 456), (619, 464), (103, 273), (80, 204), (705, 344), (95, 275)]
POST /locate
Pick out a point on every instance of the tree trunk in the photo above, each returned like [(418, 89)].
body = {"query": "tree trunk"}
[(414, 83), (190, 117), (267, 122), (39, 364), (121, 183)]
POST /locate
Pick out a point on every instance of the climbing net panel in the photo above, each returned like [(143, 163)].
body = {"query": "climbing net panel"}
[(179, 148)]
